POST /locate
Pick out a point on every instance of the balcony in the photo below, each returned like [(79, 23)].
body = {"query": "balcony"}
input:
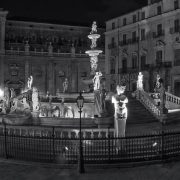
[(112, 71), (145, 67), (158, 34), (174, 30), (167, 64), (112, 46), (176, 63)]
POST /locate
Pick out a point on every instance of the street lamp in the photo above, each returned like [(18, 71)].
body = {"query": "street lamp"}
[(80, 103)]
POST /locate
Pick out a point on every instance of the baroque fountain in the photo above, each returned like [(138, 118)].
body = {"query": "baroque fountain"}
[(31, 108)]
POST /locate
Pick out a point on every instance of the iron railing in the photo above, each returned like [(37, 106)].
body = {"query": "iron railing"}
[(48, 144)]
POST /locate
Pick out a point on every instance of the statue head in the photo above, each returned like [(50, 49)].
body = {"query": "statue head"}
[(120, 89)]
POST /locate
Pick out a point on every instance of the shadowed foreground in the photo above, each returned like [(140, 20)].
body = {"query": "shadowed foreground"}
[(11, 171)]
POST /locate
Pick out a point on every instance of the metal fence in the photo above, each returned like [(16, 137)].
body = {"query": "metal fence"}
[(48, 144)]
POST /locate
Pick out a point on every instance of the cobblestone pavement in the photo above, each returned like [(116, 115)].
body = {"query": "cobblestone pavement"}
[(12, 171)]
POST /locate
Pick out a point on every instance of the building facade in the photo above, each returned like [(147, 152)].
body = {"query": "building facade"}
[(146, 40), (48, 52)]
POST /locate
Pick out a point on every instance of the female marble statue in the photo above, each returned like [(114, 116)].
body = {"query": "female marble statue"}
[(140, 81), (120, 110), (96, 80), (65, 85)]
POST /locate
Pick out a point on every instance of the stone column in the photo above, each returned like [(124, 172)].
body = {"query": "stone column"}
[(3, 15), (51, 78)]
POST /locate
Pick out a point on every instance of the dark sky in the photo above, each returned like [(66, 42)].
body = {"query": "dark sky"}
[(73, 12)]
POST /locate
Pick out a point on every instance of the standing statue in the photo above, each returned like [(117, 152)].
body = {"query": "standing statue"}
[(12, 93), (120, 110), (157, 85), (162, 97), (93, 45), (29, 83), (35, 99), (94, 28), (96, 80), (65, 85), (140, 81)]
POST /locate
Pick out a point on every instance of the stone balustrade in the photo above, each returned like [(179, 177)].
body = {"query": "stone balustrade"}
[(172, 98), (149, 103), (30, 131)]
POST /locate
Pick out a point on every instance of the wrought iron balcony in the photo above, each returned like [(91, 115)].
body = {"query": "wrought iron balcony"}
[(112, 46), (158, 34), (174, 30), (166, 64)]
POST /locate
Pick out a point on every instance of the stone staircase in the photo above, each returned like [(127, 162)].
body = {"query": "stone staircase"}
[(137, 113)]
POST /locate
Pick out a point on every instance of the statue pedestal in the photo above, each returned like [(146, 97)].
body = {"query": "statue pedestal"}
[(120, 127)]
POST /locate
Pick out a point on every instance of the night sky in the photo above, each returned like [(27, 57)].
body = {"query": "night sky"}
[(72, 12)]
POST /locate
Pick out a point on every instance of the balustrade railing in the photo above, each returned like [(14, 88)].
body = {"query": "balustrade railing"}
[(172, 98), (149, 103)]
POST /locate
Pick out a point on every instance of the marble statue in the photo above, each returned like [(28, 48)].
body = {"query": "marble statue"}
[(65, 85), (94, 28), (29, 83), (35, 99), (93, 45), (120, 110), (96, 80), (140, 81), (157, 85), (12, 94)]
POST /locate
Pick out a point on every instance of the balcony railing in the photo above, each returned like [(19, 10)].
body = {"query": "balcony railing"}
[(176, 63), (111, 46), (174, 30), (158, 34), (164, 64)]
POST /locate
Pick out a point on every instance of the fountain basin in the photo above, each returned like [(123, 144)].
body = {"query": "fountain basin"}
[(93, 52)]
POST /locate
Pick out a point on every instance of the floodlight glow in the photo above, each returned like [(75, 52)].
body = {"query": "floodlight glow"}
[(1, 93)]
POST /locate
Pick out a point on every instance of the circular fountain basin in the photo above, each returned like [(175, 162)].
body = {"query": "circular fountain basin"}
[(93, 52), (94, 36)]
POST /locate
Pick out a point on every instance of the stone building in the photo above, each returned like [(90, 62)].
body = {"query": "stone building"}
[(48, 52), (145, 40)]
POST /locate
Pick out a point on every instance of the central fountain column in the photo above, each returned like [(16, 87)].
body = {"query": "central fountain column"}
[(93, 53)]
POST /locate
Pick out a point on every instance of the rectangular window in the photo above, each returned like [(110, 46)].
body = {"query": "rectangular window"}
[(159, 10), (176, 4), (134, 62), (142, 15), (142, 34), (177, 57), (113, 25), (124, 21), (143, 62), (159, 56), (134, 18), (159, 29), (134, 36), (124, 38), (176, 25)]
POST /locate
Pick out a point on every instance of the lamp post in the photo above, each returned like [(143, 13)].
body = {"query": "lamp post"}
[(80, 102)]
